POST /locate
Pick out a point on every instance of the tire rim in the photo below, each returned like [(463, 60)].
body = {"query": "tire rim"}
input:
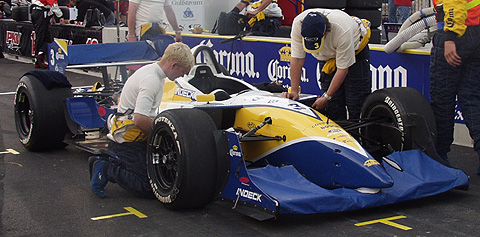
[(164, 159), (24, 114), (386, 131)]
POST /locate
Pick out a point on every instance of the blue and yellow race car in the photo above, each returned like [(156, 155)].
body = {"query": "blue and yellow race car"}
[(217, 137)]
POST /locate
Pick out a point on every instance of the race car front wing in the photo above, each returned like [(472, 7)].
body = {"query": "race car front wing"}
[(267, 192)]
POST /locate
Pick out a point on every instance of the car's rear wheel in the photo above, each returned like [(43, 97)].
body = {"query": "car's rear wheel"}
[(391, 112), (181, 158), (39, 114)]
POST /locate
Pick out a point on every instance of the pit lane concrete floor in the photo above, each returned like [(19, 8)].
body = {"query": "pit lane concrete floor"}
[(48, 194)]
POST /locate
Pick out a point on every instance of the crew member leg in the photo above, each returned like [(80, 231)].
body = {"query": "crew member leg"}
[(468, 48), (41, 22), (392, 12), (443, 92), (131, 171), (358, 84), (403, 13), (335, 109)]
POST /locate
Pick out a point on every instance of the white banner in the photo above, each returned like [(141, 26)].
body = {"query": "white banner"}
[(189, 13)]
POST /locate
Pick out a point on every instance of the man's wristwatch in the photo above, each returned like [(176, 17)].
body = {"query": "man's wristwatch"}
[(326, 96)]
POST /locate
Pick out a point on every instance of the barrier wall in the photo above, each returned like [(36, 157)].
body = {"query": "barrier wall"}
[(17, 37), (263, 59)]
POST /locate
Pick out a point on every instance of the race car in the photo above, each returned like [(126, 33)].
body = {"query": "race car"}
[(217, 137)]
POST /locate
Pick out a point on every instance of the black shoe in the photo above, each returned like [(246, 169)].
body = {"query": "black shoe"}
[(40, 61)]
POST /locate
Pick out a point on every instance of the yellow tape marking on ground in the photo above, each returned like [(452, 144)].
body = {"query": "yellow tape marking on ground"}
[(131, 211), (386, 221), (14, 163), (12, 151)]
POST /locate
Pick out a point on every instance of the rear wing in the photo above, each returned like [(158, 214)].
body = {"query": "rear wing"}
[(62, 56)]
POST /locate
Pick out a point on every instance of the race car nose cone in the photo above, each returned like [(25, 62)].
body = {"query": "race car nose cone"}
[(344, 168), (331, 166)]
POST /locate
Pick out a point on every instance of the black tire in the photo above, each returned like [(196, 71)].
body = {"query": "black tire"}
[(335, 4), (394, 105), (181, 158), (20, 13), (373, 15), (284, 31), (364, 3), (40, 114)]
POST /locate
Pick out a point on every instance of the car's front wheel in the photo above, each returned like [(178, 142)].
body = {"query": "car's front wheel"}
[(181, 158), (401, 118)]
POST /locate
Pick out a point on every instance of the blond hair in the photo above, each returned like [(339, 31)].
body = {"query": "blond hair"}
[(180, 53)]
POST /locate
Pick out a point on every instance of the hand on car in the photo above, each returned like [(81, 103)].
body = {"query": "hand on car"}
[(290, 95), (320, 103)]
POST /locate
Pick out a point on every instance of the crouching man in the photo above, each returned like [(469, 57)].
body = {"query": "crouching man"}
[(140, 97)]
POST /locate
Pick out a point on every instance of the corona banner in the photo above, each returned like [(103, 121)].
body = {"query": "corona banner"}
[(263, 59)]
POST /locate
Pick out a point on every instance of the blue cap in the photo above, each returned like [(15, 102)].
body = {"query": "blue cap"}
[(314, 27)]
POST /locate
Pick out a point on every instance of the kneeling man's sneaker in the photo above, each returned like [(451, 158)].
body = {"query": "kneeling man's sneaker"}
[(91, 161), (99, 180)]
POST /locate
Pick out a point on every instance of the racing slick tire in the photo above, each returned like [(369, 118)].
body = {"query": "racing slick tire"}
[(364, 3), (373, 15), (392, 108), (39, 114), (181, 158), (337, 4)]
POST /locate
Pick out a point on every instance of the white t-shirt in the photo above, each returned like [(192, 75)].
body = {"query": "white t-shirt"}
[(143, 91), (340, 43), (149, 11)]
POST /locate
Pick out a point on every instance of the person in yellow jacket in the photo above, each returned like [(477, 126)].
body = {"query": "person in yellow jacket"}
[(263, 15), (340, 44), (455, 70)]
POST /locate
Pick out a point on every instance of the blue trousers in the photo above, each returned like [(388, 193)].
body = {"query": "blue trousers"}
[(448, 83), (392, 12), (354, 90), (130, 170), (403, 13)]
